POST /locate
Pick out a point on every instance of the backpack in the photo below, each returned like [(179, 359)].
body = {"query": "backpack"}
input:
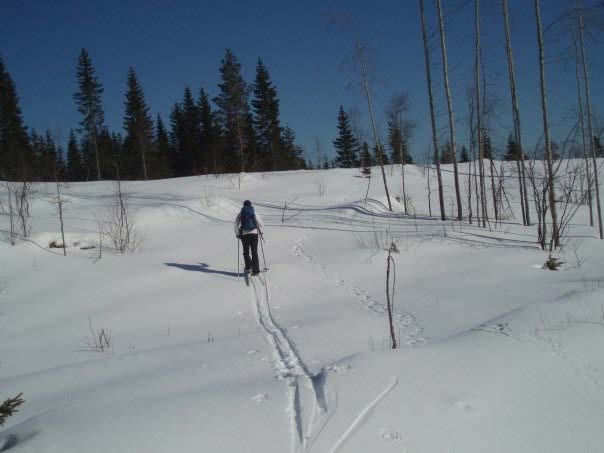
[(248, 218)]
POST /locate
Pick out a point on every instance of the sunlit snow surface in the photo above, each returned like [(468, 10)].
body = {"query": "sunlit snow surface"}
[(497, 354)]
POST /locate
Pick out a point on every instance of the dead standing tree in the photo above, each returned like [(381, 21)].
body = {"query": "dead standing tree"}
[(361, 68), (443, 45), (403, 129), (58, 200), (390, 295), (582, 123), (548, 143), (479, 132), (432, 114), (589, 116), (516, 117), (360, 55)]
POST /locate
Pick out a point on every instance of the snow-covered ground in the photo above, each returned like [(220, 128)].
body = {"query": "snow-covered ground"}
[(497, 354)]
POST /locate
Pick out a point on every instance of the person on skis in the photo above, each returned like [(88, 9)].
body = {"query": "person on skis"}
[(247, 226)]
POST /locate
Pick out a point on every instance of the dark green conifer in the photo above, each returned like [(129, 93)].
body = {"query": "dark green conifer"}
[(233, 109), (75, 166), (88, 101), (16, 158), (138, 144), (464, 157), (346, 143), (266, 120)]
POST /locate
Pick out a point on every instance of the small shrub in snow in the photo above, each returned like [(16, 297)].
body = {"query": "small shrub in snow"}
[(9, 407), (553, 263), (56, 245)]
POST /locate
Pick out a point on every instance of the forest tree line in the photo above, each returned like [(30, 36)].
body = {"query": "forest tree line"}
[(240, 130)]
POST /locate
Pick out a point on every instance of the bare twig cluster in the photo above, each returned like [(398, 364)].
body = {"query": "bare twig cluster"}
[(99, 340), (119, 224)]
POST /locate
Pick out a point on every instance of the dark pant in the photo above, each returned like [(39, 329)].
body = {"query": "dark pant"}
[(250, 241)]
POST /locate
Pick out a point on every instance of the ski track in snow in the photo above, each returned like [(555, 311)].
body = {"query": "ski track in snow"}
[(290, 367), (363, 416)]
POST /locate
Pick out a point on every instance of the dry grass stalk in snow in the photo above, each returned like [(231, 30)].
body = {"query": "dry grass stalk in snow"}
[(99, 340), (210, 200), (320, 186)]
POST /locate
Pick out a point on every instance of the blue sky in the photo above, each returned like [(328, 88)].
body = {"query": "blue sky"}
[(173, 44)]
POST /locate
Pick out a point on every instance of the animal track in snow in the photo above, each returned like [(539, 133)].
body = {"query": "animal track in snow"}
[(413, 334), (389, 435), (260, 398)]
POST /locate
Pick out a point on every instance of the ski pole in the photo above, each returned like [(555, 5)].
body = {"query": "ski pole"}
[(238, 264), (262, 248)]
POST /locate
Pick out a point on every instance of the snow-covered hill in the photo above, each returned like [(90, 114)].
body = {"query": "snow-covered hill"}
[(496, 353)]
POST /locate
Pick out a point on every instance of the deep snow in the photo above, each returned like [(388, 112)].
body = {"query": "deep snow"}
[(497, 354)]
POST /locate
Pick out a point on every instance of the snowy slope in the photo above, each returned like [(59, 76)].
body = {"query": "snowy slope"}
[(497, 354)]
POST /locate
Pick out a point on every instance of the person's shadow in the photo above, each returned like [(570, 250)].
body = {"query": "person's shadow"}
[(203, 268)]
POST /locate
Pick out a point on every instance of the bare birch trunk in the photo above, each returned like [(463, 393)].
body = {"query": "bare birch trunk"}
[(493, 190), (443, 46), (432, 116), (376, 137), (582, 125), (548, 143), (516, 117), (60, 203), (479, 135), (429, 189), (590, 119)]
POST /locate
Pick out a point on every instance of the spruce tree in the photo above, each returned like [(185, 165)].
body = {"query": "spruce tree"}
[(464, 157), (487, 148), (190, 144), (138, 143), (512, 151), (112, 146), (365, 160), (176, 139), (292, 152), (232, 103), (266, 119), (51, 162), (75, 167), (39, 161), (210, 133), (88, 101), (162, 147), (346, 143), (16, 158), (447, 154), (599, 150)]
